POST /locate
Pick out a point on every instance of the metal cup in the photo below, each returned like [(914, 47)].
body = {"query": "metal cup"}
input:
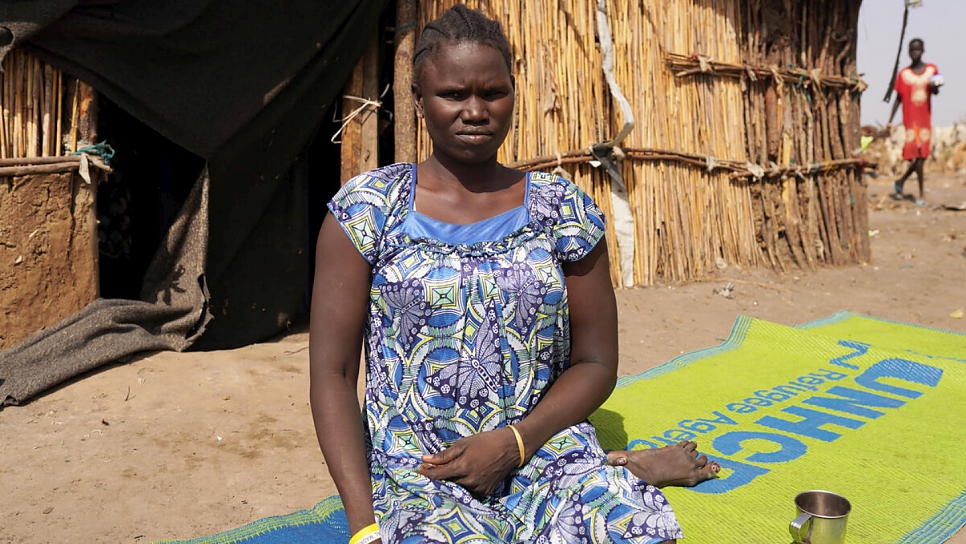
[(820, 518)]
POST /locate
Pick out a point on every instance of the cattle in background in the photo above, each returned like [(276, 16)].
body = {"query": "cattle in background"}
[(948, 153)]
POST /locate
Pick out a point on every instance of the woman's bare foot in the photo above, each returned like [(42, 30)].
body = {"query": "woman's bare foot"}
[(677, 465)]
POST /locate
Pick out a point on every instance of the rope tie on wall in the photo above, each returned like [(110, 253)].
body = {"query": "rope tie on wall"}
[(367, 104)]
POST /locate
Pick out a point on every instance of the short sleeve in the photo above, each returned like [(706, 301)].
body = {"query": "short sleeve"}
[(577, 224), (363, 207)]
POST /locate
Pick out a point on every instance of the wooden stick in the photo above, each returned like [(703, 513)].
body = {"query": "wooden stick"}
[(27, 161), (45, 147), (4, 105), (370, 117), (88, 113), (75, 115), (59, 123), (18, 122), (64, 165), (404, 117)]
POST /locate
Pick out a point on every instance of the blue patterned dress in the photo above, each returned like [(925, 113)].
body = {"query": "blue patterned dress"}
[(468, 327)]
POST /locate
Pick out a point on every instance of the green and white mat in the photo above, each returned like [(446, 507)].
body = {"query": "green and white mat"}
[(871, 409)]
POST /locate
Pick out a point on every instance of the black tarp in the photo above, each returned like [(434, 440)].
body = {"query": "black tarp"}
[(245, 85)]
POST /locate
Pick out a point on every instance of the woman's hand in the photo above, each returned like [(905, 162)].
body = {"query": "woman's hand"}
[(478, 463)]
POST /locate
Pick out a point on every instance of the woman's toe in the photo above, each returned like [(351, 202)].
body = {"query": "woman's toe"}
[(617, 458)]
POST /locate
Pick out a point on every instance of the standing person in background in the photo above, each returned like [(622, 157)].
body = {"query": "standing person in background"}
[(914, 88), (483, 298)]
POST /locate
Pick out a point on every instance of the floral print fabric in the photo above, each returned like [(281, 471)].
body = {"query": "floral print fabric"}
[(466, 337)]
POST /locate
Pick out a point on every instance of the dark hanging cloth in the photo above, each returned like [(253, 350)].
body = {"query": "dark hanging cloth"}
[(244, 84)]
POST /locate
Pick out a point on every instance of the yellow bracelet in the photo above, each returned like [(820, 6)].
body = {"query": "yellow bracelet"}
[(523, 451), (366, 535)]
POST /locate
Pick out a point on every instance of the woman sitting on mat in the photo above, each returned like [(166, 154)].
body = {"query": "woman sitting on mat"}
[(483, 297)]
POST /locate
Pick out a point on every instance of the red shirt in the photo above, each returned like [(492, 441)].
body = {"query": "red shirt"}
[(916, 97)]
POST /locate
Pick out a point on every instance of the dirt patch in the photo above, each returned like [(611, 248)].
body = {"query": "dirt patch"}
[(182, 445)]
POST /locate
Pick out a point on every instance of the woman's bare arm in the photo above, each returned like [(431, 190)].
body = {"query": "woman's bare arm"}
[(592, 375), (339, 304)]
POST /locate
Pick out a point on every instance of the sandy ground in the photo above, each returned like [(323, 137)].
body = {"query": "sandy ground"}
[(183, 445)]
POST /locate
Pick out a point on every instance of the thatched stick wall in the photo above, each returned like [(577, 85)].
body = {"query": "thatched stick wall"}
[(745, 119), (44, 112)]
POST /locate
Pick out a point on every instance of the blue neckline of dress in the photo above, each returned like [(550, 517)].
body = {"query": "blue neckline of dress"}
[(492, 229)]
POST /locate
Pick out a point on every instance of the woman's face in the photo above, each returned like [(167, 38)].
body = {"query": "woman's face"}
[(465, 94)]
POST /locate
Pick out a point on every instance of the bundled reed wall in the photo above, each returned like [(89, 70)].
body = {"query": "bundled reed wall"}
[(745, 115), (45, 113), (48, 223)]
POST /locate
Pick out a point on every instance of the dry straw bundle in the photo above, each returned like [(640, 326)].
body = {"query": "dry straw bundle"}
[(744, 117), (32, 105)]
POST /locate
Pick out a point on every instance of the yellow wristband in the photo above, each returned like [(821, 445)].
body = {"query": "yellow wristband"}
[(366, 535), (523, 451)]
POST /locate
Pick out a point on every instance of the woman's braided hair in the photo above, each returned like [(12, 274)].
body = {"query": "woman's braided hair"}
[(460, 24)]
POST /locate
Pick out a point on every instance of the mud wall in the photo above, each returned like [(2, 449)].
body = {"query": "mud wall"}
[(48, 251)]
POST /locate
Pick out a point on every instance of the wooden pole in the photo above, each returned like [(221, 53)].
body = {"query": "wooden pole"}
[(88, 113), (4, 107), (74, 114), (17, 101), (370, 115), (46, 147), (352, 133), (404, 116), (59, 123), (360, 136), (30, 115)]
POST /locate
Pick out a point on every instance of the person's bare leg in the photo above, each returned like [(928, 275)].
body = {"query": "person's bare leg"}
[(677, 465), (899, 183), (920, 174)]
